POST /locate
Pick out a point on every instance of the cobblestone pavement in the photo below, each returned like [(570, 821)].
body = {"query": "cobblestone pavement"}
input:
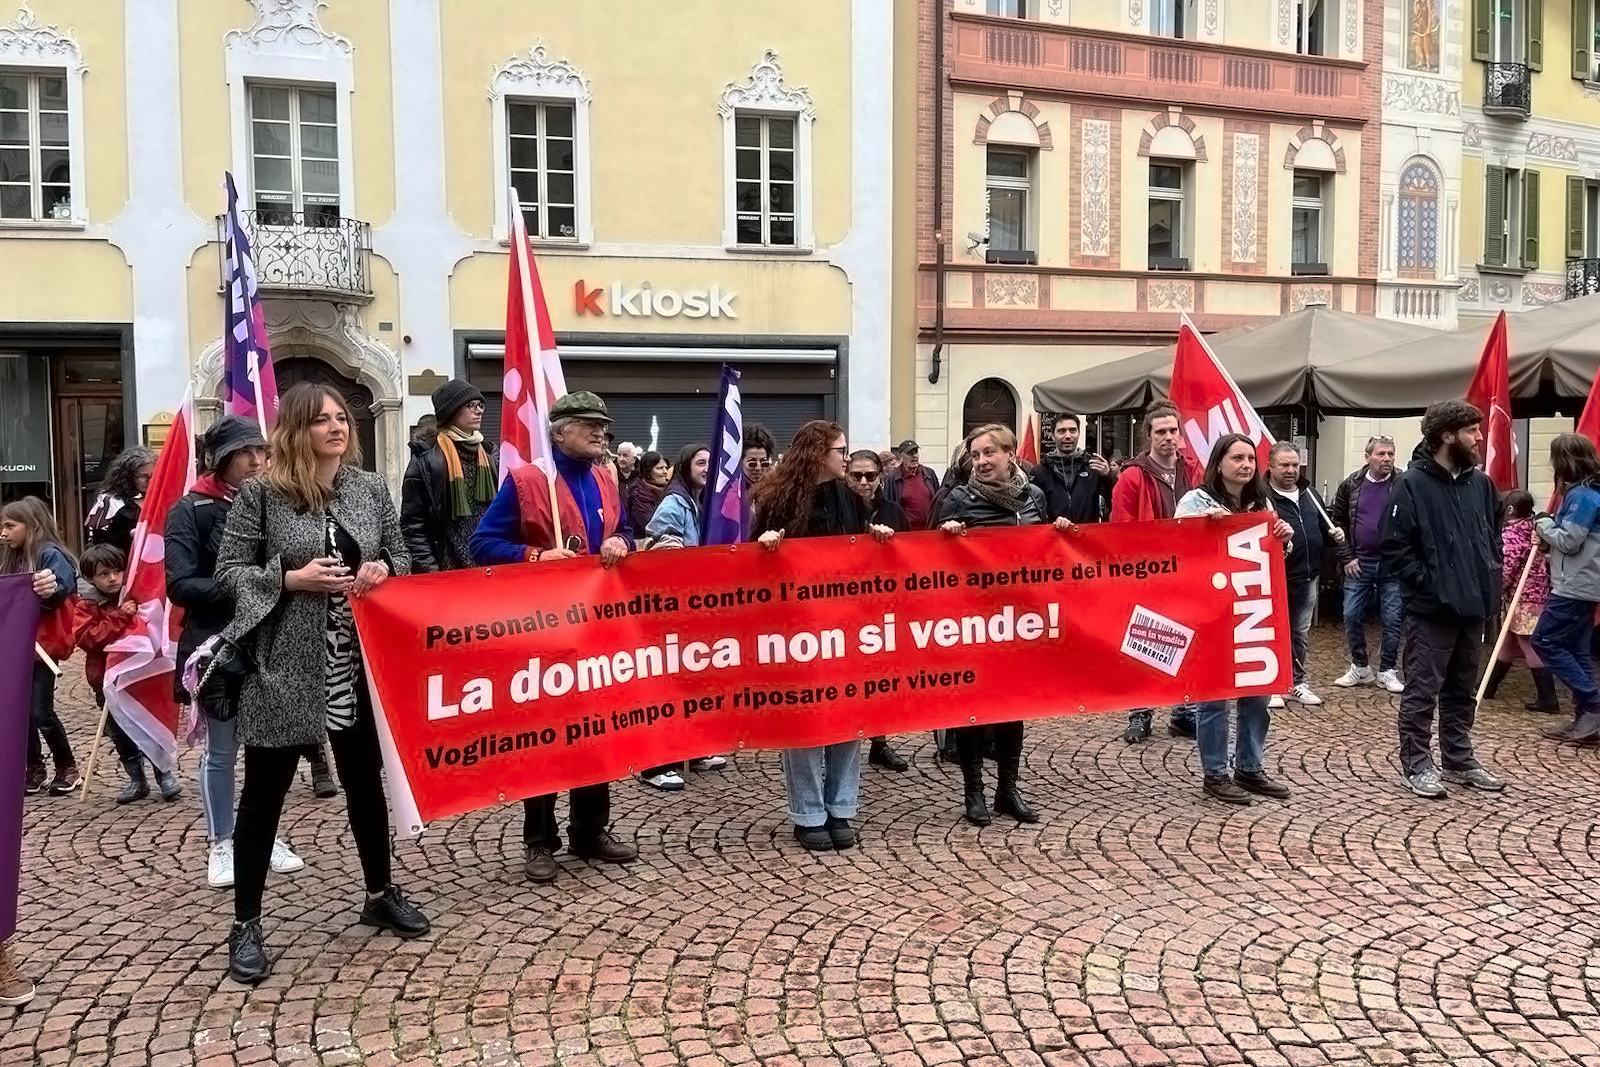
[(1137, 924)]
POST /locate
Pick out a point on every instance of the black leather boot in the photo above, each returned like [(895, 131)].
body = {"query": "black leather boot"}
[(322, 784), (1008, 798), (969, 741), (1544, 687), (1497, 674), (137, 788)]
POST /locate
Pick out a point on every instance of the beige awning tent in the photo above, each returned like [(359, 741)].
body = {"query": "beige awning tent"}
[(1554, 349), (1275, 363)]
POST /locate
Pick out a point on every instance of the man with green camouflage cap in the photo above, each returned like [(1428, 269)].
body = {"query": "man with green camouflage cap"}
[(520, 527)]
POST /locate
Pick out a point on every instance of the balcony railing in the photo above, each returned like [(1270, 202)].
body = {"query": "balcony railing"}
[(1507, 89), (308, 254), (1583, 277)]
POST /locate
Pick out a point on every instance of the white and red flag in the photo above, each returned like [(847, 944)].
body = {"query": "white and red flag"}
[(140, 668), (1028, 450), (1210, 403), (1490, 393), (533, 378)]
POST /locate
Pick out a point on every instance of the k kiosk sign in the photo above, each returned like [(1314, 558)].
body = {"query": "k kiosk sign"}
[(645, 301)]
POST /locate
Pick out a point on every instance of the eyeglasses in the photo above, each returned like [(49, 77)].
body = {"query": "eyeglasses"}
[(842, 450), (864, 476), (758, 464), (475, 406)]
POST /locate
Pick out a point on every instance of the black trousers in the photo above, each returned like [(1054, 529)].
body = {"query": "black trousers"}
[(591, 814), (1007, 741), (43, 720), (1441, 664), (268, 773)]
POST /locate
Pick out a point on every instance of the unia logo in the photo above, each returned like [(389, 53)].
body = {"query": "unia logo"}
[(1255, 660)]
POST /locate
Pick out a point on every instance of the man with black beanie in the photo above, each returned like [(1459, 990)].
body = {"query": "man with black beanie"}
[(1441, 542), (449, 483)]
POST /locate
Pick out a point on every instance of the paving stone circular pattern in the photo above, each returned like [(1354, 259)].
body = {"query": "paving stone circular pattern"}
[(1138, 923)]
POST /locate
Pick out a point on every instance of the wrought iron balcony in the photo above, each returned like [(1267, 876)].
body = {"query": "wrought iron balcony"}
[(1507, 89), (1583, 278), (308, 254)]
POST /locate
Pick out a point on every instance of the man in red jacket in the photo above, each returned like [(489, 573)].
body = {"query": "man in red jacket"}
[(1150, 488)]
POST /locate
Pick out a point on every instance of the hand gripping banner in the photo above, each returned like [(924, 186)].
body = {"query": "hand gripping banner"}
[(498, 684)]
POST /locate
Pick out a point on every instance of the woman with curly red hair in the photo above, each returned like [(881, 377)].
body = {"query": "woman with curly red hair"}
[(806, 496)]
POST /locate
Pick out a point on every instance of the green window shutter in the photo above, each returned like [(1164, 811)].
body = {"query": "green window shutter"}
[(1530, 219), (1575, 228), (1535, 34), (1482, 28), (1494, 217), (1582, 35)]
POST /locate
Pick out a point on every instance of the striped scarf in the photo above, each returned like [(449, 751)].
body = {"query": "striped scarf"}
[(482, 490)]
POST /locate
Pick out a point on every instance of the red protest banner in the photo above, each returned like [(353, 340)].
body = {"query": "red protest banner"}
[(502, 684)]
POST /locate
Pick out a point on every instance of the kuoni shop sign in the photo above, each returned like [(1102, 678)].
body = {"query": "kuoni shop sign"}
[(647, 301)]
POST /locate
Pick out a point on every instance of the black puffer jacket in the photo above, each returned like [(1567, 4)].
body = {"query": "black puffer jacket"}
[(192, 536), (422, 496), (965, 506), (1441, 540)]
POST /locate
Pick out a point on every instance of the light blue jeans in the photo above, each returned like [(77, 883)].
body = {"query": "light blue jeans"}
[(822, 782), (1250, 742), (216, 777)]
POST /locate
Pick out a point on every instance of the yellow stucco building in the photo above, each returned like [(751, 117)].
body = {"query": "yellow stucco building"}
[(694, 197)]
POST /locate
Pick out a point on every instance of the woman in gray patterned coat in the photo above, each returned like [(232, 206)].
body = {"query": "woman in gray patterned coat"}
[(301, 540)]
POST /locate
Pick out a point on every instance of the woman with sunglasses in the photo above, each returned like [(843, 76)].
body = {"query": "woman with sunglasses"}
[(806, 496)]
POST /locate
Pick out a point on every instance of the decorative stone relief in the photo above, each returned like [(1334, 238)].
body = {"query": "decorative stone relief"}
[(1011, 290), (1550, 146), (1472, 135), (1285, 22), (1538, 294), (1352, 31), (294, 21), (1211, 18), (25, 40), (1469, 292), (1055, 7), (1300, 296), (765, 88), (1499, 291), (1136, 12), (1427, 96), (536, 74), (1246, 163), (1170, 296), (1094, 176)]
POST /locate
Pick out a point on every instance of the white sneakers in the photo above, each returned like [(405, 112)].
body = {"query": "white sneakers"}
[(1304, 694), (1275, 703), (1356, 676), (1389, 679), (708, 763), (219, 866), (284, 861), (667, 781)]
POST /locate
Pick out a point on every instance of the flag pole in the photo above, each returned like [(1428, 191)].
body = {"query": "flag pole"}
[(94, 749), (530, 326), (255, 382), (1505, 623)]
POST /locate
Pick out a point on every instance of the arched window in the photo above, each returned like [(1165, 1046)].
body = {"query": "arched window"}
[(991, 400), (1418, 230)]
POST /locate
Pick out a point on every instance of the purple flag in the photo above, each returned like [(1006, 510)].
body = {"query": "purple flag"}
[(19, 625), (727, 488), (249, 387)]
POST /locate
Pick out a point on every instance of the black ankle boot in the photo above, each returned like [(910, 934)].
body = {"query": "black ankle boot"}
[(322, 784), (1497, 674), (1544, 687), (137, 788), (1007, 797)]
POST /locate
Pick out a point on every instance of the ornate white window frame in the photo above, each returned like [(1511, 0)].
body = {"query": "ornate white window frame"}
[(765, 93), (286, 45), (538, 78), (29, 47)]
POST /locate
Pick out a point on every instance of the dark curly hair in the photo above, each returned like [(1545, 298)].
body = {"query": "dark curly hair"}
[(783, 498), (122, 475)]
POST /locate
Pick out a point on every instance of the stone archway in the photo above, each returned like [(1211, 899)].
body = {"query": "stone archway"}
[(332, 335)]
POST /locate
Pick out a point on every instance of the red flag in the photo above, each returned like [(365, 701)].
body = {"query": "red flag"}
[(1028, 450), (140, 667), (1210, 403), (1589, 421), (1490, 393), (533, 378)]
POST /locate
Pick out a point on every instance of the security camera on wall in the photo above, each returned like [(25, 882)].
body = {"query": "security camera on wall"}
[(977, 237)]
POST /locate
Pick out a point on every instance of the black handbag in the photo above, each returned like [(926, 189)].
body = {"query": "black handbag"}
[(222, 676)]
